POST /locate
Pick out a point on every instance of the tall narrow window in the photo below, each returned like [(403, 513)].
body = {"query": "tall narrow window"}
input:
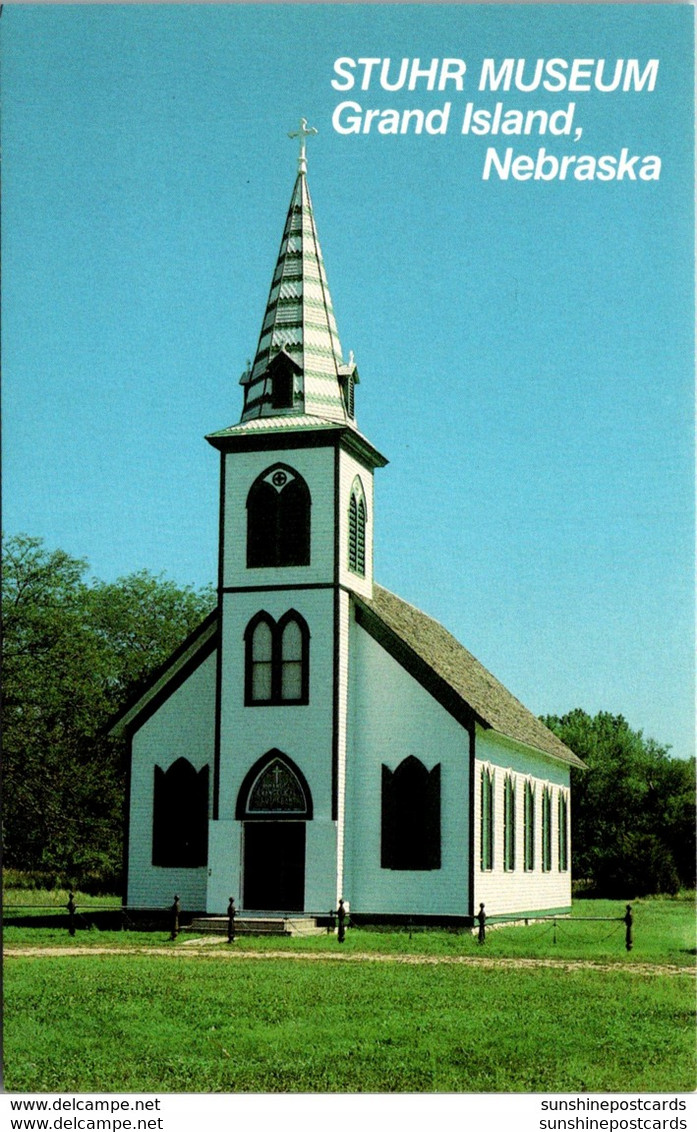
[(277, 655), (509, 824), (180, 816), (356, 532), (487, 820), (292, 662), (349, 395), (546, 829), (278, 519), (410, 835), (529, 826), (563, 831), (262, 662), (282, 390), (281, 373)]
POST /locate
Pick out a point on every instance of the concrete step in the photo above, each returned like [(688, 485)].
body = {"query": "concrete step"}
[(258, 925)]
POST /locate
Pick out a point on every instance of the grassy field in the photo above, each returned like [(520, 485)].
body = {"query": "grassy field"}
[(213, 1022)]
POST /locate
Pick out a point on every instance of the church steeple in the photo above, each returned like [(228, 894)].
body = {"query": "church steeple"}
[(298, 368)]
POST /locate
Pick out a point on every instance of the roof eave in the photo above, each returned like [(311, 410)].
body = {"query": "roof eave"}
[(569, 759), (323, 434), (162, 682)]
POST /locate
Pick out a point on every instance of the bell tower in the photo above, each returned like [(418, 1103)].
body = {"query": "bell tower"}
[(296, 527)]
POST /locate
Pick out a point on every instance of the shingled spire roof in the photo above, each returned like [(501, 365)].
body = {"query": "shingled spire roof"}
[(299, 350)]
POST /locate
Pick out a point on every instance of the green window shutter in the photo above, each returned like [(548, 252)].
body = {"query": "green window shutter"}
[(360, 539), (353, 533)]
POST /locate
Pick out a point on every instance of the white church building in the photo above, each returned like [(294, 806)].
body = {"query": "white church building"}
[(318, 737)]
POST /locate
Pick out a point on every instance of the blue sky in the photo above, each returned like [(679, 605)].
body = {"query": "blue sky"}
[(525, 348)]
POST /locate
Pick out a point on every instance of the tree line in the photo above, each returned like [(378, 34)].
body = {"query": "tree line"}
[(77, 649)]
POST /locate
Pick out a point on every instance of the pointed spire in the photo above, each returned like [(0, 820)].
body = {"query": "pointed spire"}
[(298, 368)]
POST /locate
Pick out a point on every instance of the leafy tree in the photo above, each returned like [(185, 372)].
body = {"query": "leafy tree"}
[(73, 649), (633, 809)]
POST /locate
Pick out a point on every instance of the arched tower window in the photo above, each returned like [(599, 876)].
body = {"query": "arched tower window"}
[(292, 655), (410, 816), (356, 529), (259, 641), (180, 816), (277, 668), (278, 519)]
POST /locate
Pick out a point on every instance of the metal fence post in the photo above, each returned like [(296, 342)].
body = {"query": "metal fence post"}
[(71, 913), (481, 920), (629, 921), (174, 912), (341, 916), (231, 921)]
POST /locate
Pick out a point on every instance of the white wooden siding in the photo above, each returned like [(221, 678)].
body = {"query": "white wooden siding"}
[(519, 891), (342, 710), (184, 726), (390, 717)]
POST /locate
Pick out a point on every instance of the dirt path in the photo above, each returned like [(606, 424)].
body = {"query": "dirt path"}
[(207, 947)]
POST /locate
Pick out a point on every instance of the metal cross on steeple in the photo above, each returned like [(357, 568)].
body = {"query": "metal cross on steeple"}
[(303, 131)]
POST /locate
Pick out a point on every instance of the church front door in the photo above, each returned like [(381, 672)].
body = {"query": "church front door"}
[(274, 866)]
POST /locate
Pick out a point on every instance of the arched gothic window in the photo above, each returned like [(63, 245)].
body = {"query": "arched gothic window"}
[(563, 831), (546, 829), (487, 819), (180, 816), (410, 816), (277, 660), (274, 789), (278, 519), (356, 529), (281, 373), (529, 827), (509, 823)]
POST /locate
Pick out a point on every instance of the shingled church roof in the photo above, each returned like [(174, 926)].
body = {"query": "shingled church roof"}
[(457, 678)]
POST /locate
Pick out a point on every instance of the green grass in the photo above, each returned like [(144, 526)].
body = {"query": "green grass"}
[(225, 1024), (214, 1022), (664, 932), (25, 901)]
